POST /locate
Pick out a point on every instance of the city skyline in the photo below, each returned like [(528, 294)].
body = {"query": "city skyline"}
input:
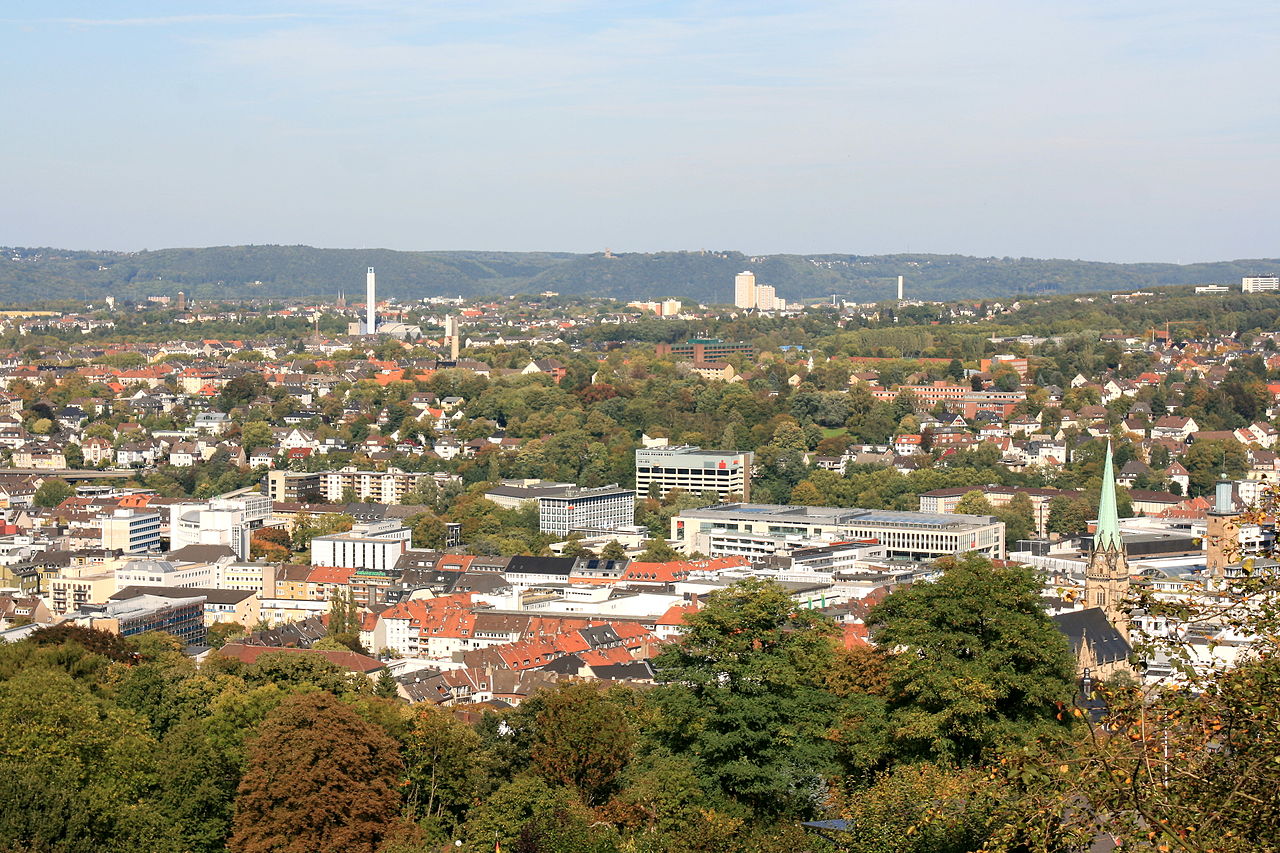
[(1145, 132)]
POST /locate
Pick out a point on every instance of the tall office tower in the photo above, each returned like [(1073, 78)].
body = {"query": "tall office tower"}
[(744, 289), (766, 297), (371, 304)]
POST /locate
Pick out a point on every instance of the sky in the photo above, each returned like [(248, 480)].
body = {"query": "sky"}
[(1111, 130)]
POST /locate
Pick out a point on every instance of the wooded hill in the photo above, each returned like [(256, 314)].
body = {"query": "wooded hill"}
[(35, 274)]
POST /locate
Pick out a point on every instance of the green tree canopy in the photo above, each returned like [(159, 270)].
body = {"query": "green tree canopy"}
[(976, 662)]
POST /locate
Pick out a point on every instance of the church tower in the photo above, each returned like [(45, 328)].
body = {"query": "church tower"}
[(1106, 579)]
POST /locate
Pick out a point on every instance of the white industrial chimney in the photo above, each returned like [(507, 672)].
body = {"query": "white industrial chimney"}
[(371, 304), (900, 282)]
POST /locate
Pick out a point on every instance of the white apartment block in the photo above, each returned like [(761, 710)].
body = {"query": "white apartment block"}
[(386, 487), (693, 470), (1259, 283)]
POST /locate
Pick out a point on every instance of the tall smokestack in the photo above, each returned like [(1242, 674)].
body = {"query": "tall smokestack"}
[(371, 303), (900, 282)]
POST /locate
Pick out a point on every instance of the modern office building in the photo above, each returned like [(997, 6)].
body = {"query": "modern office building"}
[(220, 521), (181, 617), (694, 470), (1259, 283), (375, 545), (586, 509), (131, 530), (911, 535)]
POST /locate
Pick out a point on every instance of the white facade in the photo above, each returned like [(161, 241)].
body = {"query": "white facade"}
[(914, 535), (387, 487), (693, 470), (586, 509), (744, 289), (376, 545), (165, 573), (221, 521), (131, 530), (1259, 283)]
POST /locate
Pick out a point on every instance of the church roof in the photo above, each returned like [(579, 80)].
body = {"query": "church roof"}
[(1092, 626)]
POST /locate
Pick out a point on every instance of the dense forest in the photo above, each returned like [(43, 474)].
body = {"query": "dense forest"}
[(33, 274)]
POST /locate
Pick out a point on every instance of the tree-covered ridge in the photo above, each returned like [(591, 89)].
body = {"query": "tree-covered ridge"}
[(32, 274)]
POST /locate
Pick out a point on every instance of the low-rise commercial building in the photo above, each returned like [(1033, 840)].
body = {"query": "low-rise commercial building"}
[(913, 535)]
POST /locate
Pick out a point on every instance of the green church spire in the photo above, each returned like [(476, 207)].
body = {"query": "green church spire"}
[(1107, 536)]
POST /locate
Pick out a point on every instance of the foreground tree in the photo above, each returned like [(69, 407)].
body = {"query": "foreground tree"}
[(746, 698), (975, 664), (319, 780), (581, 740)]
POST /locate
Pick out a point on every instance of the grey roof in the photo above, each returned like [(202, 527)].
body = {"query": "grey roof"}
[(201, 554), (1092, 625), (212, 596)]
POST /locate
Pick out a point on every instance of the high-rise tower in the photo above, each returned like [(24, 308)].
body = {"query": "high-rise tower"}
[(1106, 578), (744, 289), (371, 304)]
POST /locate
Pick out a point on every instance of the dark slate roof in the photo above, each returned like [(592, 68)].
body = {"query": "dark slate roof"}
[(565, 665), (600, 635), (638, 670), (559, 566), (1109, 645)]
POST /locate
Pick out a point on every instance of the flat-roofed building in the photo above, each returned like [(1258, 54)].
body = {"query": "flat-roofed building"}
[(220, 605), (181, 617), (131, 530), (704, 349), (375, 545), (294, 486), (913, 535), (693, 470), (586, 509)]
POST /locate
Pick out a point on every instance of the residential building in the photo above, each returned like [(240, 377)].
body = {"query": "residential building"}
[(388, 487), (744, 290), (294, 486), (1259, 283), (693, 470)]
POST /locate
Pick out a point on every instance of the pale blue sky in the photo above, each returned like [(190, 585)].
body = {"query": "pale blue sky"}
[(1101, 130)]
